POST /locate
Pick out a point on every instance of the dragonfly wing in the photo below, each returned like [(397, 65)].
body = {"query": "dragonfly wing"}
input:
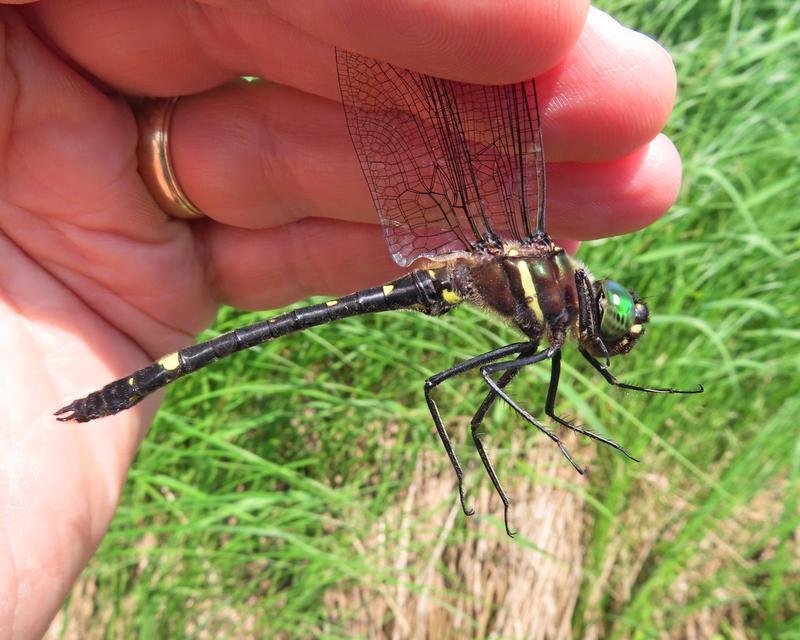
[(449, 165)]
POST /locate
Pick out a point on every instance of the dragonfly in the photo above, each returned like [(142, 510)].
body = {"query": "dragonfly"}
[(456, 172)]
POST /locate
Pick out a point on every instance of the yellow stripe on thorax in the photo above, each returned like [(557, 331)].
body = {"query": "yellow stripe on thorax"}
[(529, 289), (450, 297)]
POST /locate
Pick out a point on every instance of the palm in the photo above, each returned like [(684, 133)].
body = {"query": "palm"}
[(95, 280), (75, 218)]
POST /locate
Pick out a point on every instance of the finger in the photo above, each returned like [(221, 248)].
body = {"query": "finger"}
[(257, 269), (260, 156), (611, 94), (598, 200), (271, 267), (172, 48), (474, 42)]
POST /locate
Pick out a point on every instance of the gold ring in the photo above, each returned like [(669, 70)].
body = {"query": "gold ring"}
[(154, 118)]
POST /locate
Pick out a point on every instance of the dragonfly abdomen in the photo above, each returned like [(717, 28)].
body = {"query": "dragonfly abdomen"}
[(418, 290)]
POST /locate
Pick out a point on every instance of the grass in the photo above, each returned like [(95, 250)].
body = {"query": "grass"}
[(299, 491)]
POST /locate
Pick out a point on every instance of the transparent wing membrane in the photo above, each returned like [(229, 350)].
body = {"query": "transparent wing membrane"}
[(451, 166)]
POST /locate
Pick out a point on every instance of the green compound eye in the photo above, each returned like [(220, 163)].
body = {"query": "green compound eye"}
[(618, 310)]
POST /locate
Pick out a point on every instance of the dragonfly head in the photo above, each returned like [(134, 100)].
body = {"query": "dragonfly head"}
[(621, 316)]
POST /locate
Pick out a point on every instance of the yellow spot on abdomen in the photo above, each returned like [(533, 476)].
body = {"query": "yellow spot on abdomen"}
[(529, 289), (332, 303), (450, 297), (170, 362), (131, 382), (512, 252), (387, 289)]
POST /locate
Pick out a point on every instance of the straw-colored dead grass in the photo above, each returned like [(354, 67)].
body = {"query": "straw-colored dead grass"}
[(486, 586), (736, 547)]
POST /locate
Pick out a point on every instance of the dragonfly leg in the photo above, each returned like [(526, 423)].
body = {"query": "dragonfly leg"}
[(488, 370), (612, 380), (555, 373), (475, 424), (436, 380)]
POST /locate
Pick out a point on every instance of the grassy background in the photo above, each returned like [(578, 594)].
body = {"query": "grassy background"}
[(300, 490)]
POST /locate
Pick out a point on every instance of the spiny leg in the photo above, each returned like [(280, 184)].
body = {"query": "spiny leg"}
[(549, 406), (488, 370), (588, 311), (475, 423), (436, 380), (609, 377)]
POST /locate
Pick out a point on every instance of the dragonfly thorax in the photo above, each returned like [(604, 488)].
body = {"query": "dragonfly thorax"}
[(532, 286)]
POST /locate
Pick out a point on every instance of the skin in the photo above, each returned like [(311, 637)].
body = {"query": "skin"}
[(95, 280)]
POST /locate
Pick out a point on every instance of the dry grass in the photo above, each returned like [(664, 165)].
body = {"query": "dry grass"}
[(472, 589)]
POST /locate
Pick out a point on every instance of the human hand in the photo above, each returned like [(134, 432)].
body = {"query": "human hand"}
[(96, 281)]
